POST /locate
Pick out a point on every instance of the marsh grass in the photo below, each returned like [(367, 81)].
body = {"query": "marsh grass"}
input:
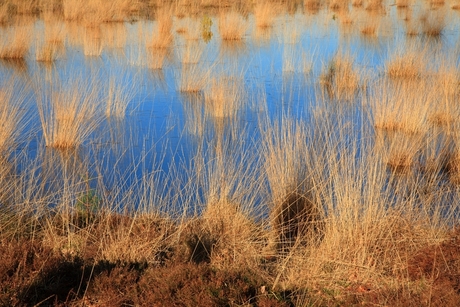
[(192, 52), (294, 213), (433, 23), (232, 26), (120, 95), (69, 113), (92, 40), (225, 96), (402, 107), (407, 64), (340, 79), (265, 14), (16, 43), (193, 78)]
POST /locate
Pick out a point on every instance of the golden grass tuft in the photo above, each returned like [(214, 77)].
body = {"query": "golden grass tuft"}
[(406, 63), (265, 14), (193, 78), (294, 214), (232, 232), (92, 40), (401, 107), (121, 92), (68, 114), (312, 6), (192, 52), (400, 4), (232, 26), (74, 10), (15, 44), (340, 79), (224, 96), (433, 23)]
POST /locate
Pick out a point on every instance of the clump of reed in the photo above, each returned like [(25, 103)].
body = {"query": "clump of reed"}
[(224, 96), (406, 63), (192, 52), (433, 23), (69, 113), (223, 233), (16, 43), (5, 14), (74, 10), (400, 4), (121, 92), (265, 14), (401, 107), (295, 216), (232, 26), (162, 35), (375, 5), (340, 79), (193, 78), (455, 6), (92, 40)]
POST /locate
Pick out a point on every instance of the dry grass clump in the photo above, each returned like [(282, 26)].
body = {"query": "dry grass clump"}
[(162, 38), (340, 79), (193, 78), (455, 6), (114, 35), (444, 112), (121, 92), (98, 11), (192, 52), (16, 42), (403, 3), (265, 14), (232, 233), (68, 113), (406, 64), (312, 6), (375, 5), (401, 107), (224, 96), (369, 29), (48, 53), (295, 216), (433, 23), (338, 5), (232, 26), (74, 10), (5, 13), (92, 40)]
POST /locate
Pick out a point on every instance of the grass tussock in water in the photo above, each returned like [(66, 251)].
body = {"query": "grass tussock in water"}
[(69, 113), (232, 26)]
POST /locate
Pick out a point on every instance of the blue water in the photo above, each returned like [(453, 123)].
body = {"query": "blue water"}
[(164, 129)]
